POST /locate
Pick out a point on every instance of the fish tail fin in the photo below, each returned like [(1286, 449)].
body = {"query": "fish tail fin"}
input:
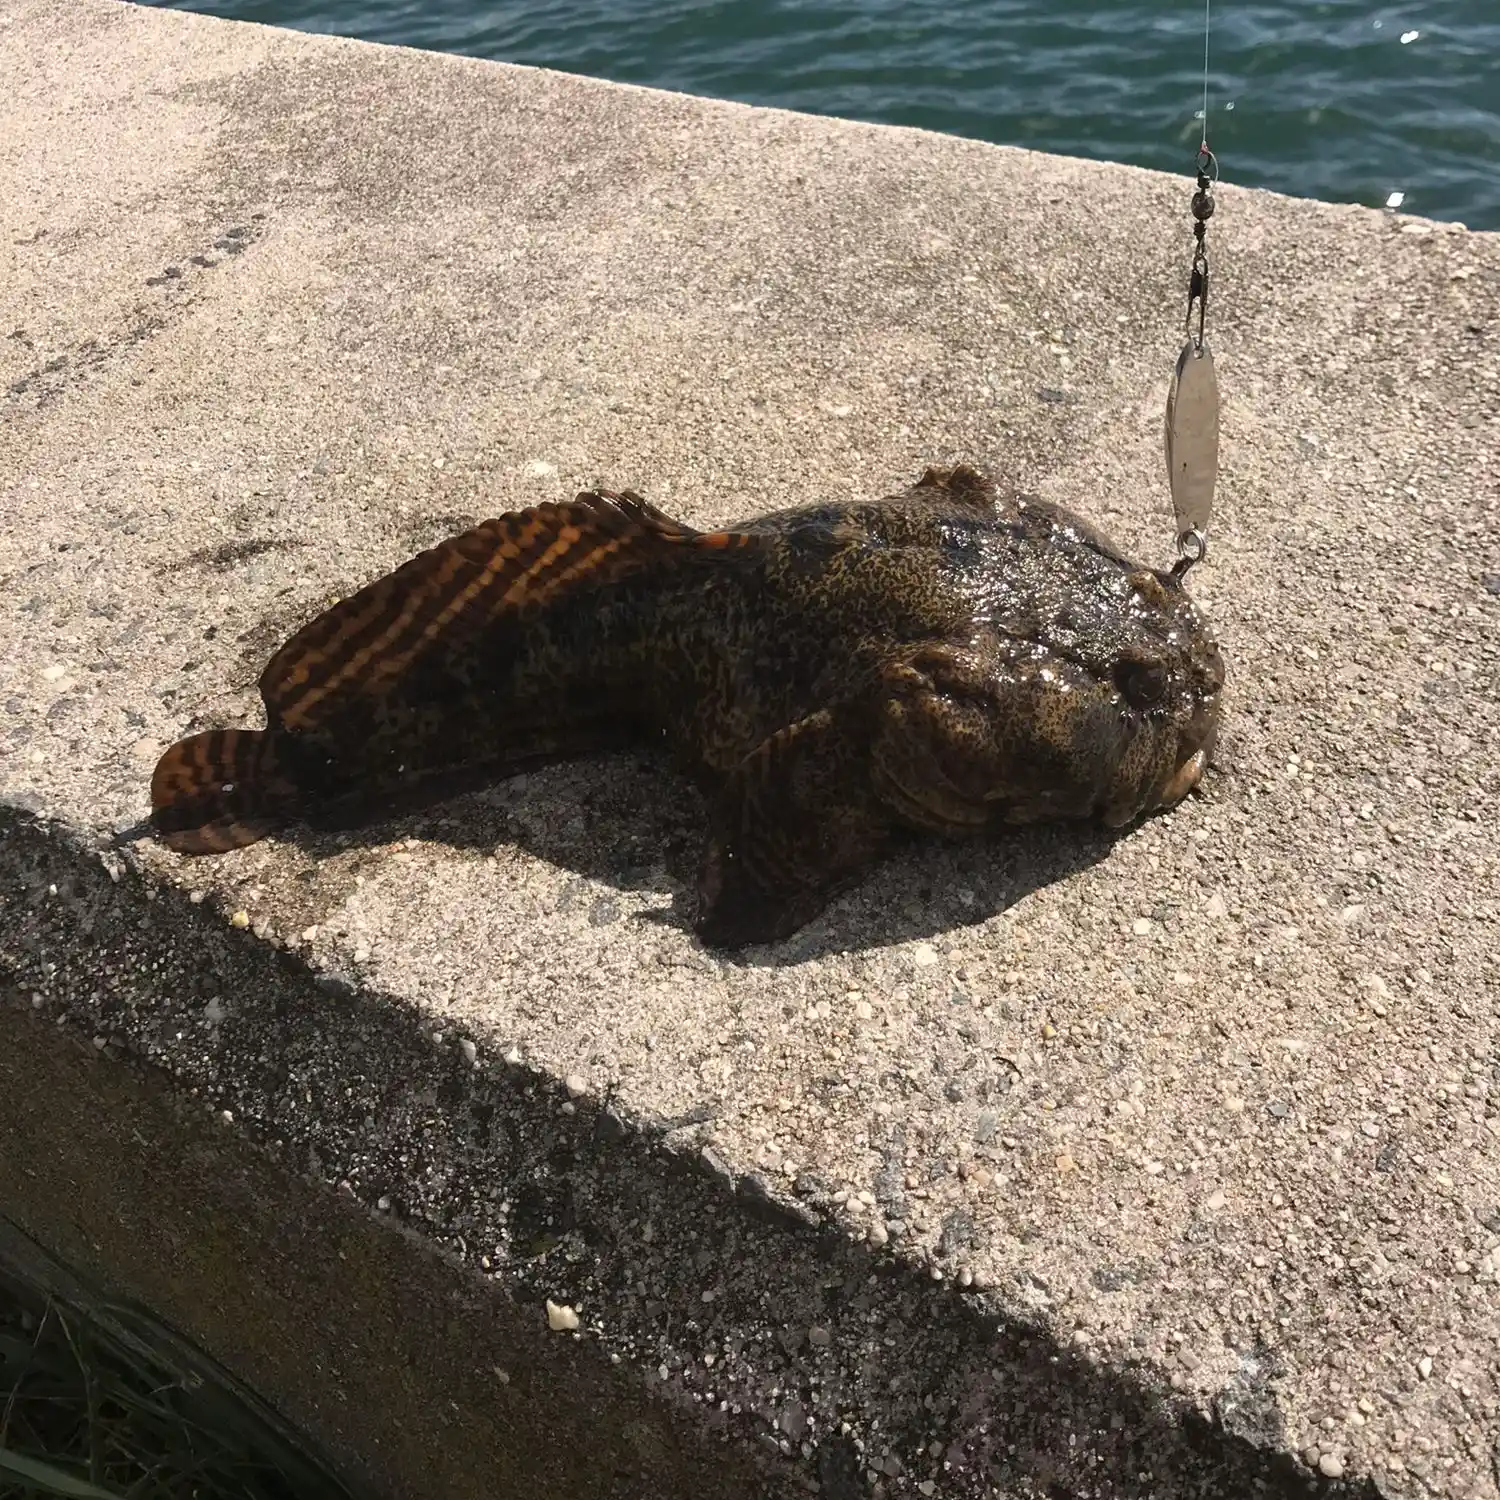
[(220, 790)]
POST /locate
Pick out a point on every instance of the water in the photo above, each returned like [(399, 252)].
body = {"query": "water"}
[(1337, 99)]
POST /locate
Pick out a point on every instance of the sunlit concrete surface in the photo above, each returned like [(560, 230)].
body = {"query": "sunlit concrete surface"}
[(1157, 1168)]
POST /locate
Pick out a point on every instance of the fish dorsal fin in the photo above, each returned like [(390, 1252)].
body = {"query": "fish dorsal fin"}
[(965, 485), (445, 597)]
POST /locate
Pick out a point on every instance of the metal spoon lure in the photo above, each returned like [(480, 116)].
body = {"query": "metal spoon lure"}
[(1192, 449), (1191, 430)]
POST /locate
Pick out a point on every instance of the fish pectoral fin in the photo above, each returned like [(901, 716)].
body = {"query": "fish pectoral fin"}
[(794, 822), (937, 754), (444, 598)]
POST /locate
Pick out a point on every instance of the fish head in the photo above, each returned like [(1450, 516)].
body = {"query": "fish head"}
[(1106, 683), (1159, 708)]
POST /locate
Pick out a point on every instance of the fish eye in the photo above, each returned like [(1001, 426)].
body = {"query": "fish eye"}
[(1144, 683)]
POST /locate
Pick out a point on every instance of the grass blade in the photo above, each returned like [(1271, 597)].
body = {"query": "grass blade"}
[(51, 1481)]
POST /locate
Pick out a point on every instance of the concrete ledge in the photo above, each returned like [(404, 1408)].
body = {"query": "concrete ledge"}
[(1167, 1168), (427, 1379), (418, 1375)]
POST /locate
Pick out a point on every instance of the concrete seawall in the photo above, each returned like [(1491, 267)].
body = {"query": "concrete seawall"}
[(1164, 1168)]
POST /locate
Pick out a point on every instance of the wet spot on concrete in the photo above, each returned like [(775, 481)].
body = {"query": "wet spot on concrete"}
[(228, 555), (1247, 1407), (1116, 1278), (957, 1233)]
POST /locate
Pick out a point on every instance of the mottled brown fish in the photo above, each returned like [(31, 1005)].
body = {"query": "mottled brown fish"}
[(945, 660)]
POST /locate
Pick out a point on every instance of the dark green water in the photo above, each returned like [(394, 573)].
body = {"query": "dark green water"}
[(1337, 99)]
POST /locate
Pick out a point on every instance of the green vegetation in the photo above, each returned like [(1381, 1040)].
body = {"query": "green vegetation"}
[(108, 1405)]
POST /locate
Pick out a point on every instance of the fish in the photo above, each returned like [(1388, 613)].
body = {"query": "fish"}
[(950, 661)]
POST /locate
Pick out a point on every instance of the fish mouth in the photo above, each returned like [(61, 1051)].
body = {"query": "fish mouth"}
[(1183, 779), (1195, 750)]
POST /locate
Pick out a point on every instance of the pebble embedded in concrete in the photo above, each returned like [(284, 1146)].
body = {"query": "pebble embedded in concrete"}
[(793, 1421), (560, 1317)]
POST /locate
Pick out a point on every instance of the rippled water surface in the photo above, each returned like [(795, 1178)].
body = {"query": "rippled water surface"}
[(1331, 99)]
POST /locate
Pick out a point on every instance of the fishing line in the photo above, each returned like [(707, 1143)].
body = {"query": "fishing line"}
[(1206, 6)]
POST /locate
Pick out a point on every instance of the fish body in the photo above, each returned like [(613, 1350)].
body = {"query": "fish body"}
[(945, 660)]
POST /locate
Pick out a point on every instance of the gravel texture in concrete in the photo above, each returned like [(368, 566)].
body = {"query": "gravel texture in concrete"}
[(1207, 1117)]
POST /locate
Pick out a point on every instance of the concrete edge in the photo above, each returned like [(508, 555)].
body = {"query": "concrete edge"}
[(158, 1178), (678, 97), (215, 1156)]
